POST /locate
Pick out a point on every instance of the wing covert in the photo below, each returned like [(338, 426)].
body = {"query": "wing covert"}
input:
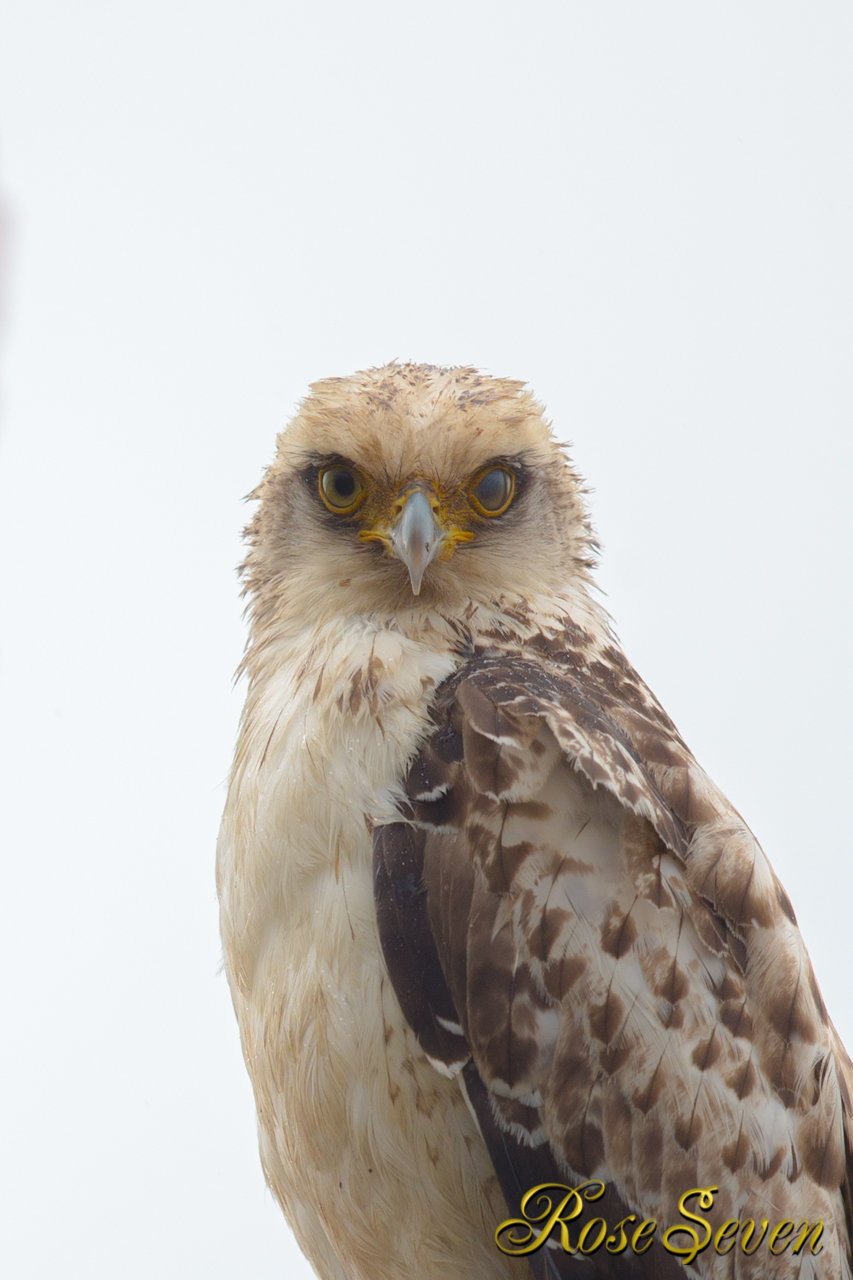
[(615, 953)]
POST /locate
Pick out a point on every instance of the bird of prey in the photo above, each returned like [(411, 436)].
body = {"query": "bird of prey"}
[(487, 924)]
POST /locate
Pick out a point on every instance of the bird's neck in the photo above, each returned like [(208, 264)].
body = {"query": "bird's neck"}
[(504, 622)]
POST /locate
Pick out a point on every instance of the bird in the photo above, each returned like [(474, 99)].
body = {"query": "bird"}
[(492, 935)]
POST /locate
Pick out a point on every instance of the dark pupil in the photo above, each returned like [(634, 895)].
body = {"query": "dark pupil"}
[(343, 484), (492, 490)]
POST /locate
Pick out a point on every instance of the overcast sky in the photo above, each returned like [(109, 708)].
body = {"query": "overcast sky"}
[(644, 209)]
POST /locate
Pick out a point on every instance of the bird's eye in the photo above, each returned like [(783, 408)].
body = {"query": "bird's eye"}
[(342, 489), (492, 491)]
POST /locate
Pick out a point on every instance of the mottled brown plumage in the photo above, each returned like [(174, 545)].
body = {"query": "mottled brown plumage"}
[(579, 963)]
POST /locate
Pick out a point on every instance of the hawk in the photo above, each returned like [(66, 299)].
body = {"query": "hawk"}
[(487, 924)]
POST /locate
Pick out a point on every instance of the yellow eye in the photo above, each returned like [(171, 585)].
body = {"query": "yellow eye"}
[(342, 489), (492, 491)]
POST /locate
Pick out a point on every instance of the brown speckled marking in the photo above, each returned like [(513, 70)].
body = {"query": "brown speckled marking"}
[(684, 914)]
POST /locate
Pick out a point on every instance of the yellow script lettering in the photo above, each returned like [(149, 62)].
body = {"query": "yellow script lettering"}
[(646, 1229), (582, 1245), (748, 1231), (618, 1244), (568, 1207), (689, 1252), (779, 1232), (726, 1236), (817, 1231)]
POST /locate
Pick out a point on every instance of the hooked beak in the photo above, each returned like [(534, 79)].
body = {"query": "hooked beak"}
[(416, 538)]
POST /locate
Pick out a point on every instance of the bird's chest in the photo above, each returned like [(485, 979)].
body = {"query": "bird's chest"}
[(351, 1112), (332, 771)]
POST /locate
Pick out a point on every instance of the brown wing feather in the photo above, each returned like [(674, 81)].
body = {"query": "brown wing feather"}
[(412, 959), (624, 965)]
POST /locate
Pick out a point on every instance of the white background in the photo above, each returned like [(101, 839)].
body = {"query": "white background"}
[(644, 209)]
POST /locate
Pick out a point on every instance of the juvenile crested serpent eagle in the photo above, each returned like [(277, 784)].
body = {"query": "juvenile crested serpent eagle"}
[(487, 924)]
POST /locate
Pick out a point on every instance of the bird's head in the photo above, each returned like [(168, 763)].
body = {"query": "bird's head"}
[(412, 486)]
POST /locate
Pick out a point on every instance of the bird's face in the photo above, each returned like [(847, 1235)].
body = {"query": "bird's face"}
[(418, 518), (415, 487)]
